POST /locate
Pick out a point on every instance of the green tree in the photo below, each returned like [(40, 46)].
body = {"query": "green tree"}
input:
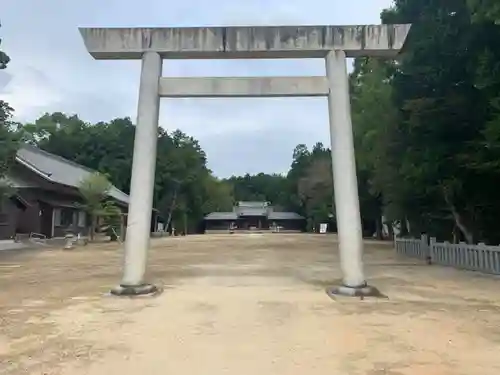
[(9, 136), (8, 147), (218, 195), (261, 187), (4, 58), (485, 10), (315, 190), (375, 121), (95, 192), (445, 88)]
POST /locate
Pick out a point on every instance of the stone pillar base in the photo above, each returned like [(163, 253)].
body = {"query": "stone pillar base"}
[(361, 292), (135, 290)]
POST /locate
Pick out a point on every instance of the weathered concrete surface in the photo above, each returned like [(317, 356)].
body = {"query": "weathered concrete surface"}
[(244, 87), (246, 305), (143, 174), (245, 42), (344, 171)]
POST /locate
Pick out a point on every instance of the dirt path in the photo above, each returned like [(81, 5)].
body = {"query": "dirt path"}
[(244, 305)]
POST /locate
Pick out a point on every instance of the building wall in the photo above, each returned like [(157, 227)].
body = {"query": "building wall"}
[(44, 197), (37, 218), (259, 222), (45, 227), (29, 219), (217, 225), (241, 223), (9, 214)]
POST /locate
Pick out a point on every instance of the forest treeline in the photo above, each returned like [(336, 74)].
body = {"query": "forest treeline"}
[(427, 134)]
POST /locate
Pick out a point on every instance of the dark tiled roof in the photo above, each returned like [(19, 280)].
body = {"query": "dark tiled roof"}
[(252, 204), (60, 203), (59, 170), (251, 211), (284, 216), (221, 216)]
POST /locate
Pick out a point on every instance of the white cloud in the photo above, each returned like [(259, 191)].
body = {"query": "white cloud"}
[(30, 92)]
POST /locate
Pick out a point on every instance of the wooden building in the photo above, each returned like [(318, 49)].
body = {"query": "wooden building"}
[(260, 216), (47, 200)]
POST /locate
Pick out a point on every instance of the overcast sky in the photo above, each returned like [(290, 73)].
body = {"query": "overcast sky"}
[(51, 71)]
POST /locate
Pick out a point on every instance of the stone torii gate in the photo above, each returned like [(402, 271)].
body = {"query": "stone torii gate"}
[(333, 43)]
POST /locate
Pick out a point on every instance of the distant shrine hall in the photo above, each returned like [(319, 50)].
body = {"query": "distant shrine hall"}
[(254, 216)]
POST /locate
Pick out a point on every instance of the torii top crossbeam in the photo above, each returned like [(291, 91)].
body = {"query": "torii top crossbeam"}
[(245, 42)]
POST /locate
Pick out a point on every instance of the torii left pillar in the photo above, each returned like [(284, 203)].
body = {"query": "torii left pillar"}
[(142, 181)]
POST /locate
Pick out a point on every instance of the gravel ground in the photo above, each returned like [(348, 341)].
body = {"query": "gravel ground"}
[(243, 305)]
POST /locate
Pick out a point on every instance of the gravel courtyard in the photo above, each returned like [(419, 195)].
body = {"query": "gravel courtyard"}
[(243, 305)]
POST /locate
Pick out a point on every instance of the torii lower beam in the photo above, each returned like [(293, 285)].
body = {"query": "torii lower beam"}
[(243, 87), (333, 43)]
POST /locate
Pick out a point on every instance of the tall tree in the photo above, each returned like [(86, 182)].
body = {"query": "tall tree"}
[(442, 119), (315, 190), (9, 136), (374, 122), (485, 10), (4, 58)]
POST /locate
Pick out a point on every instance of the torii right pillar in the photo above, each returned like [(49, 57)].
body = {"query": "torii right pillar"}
[(350, 234), (349, 227)]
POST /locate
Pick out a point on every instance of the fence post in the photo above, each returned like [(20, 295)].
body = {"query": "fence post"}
[(396, 245), (424, 246), (445, 254), (432, 242), (462, 255), (482, 265)]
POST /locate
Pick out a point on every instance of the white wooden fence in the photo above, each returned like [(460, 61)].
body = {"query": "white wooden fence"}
[(413, 247), (479, 257)]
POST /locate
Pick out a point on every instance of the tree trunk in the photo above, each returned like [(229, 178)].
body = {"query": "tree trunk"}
[(469, 237), (93, 225), (170, 212), (379, 228), (404, 228), (456, 234), (390, 230), (122, 228), (459, 221)]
